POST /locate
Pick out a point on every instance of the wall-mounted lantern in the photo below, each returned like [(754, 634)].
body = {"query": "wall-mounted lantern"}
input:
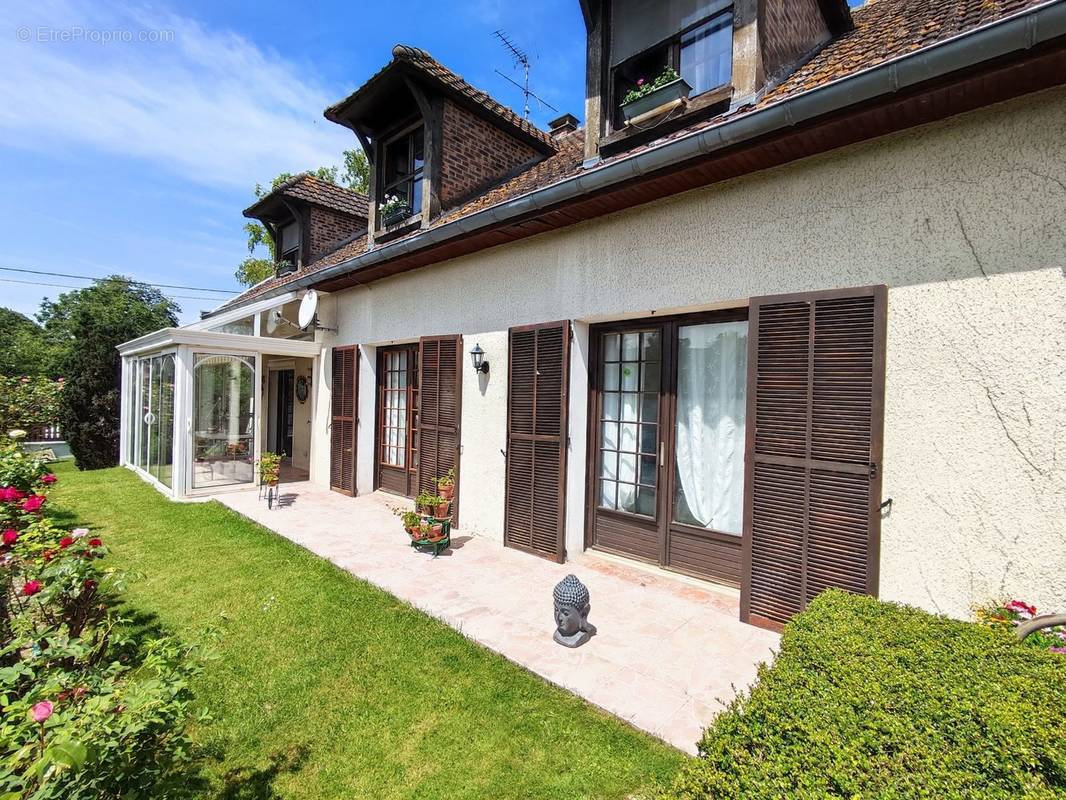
[(477, 358)]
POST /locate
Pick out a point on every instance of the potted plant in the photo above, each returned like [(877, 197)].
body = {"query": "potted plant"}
[(394, 210), (269, 468), (446, 485), (443, 509), (653, 95), (436, 532), (427, 503), (411, 520)]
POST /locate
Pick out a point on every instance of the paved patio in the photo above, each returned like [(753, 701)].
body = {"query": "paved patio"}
[(667, 657)]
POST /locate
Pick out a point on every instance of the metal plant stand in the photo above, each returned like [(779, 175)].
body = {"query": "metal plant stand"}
[(271, 493), (440, 544)]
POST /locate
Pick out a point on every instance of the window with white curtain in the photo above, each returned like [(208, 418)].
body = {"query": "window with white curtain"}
[(712, 368)]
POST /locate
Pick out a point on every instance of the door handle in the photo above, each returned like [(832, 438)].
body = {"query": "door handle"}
[(662, 453)]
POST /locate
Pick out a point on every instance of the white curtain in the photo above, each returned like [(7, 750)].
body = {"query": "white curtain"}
[(712, 371)]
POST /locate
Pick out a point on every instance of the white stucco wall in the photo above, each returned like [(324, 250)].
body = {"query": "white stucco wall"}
[(965, 220)]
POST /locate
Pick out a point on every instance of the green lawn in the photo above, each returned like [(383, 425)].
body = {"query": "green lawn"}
[(327, 687)]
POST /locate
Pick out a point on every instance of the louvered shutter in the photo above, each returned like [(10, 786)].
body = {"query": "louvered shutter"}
[(816, 394), (343, 418), (536, 438), (440, 379)]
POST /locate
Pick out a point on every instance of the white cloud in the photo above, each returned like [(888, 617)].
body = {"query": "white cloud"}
[(209, 106)]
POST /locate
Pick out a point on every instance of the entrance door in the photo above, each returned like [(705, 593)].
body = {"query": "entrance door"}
[(283, 421), (345, 404), (396, 451), (537, 401), (668, 404)]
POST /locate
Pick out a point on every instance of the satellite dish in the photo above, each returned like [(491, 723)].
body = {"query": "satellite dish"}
[(308, 307), (275, 320)]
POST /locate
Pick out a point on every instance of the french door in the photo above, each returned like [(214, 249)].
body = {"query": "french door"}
[(396, 458), (668, 407)]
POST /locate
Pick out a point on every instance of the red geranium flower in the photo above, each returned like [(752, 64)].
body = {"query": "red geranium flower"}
[(10, 536), (95, 542), (33, 502), (30, 588), (66, 542)]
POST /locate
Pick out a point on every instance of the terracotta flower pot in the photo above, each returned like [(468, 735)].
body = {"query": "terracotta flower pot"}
[(436, 533), (443, 510), (447, 492)]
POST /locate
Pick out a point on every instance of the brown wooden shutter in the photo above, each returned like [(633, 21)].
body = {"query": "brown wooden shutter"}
[(440, 381), (534, 504), (343, 419), (816, 372)]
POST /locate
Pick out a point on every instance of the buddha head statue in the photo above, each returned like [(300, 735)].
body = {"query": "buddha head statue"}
[(572, 606)]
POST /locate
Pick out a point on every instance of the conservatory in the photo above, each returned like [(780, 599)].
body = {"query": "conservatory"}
[(200, 404)]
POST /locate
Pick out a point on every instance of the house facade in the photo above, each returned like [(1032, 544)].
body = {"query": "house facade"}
[(801, 327)]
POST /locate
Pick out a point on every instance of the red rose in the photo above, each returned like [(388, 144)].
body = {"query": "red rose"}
[(33, 503), (48, 477), (30, 588), (10, 536), (66, 542), (95, 542)]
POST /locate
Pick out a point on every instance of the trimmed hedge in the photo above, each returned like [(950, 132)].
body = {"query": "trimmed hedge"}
[(869, 699)]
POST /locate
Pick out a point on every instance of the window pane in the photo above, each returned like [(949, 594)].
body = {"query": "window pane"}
[(628, 440), (627, 468), (707, 54), (651, 377), (651, 346), (610, 347), (649, 438), (607, 494), (647, 470), (630, 407), (609, 467), (650, 411), (711, 398), (646, 501), (630, 376), (627, 497), (630, 346), (610, 435), (610, 406), (610, 377), (223, 420)]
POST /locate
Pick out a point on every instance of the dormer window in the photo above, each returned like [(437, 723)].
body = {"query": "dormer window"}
[(403, 165), (692, 37)]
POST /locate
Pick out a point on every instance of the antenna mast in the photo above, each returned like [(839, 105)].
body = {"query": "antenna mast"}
[(520, 60)]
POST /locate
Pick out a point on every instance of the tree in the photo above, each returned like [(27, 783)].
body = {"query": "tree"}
[(252, 270), (24, 347), (93, 322)]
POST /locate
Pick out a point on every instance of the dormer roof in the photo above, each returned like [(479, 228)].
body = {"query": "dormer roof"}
[(366, 102), (309, 189)]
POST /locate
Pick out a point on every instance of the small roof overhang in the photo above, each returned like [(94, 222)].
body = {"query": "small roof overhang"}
[(170, 337)]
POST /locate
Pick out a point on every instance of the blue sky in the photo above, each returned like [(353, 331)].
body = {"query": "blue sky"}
[(137, 157)]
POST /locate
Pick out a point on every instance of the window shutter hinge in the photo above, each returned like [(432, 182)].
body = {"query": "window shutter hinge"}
[(873, 470)]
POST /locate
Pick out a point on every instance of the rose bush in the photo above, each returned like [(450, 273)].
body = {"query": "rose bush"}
[(88, 708)]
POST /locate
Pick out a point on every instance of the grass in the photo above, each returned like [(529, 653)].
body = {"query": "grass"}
[(326, 687)]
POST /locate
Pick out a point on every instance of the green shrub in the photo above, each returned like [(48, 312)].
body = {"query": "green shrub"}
[(869, 699), (26, 401), (89, 708)]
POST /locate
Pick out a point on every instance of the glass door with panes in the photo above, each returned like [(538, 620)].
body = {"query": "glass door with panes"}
[(669, 402), (397, 433)]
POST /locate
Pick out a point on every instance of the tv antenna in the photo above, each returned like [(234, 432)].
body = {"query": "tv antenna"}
[(520, 60)]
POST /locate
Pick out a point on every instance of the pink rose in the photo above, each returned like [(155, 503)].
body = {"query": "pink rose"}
[(48, 477), (1023, 610), (33, 503), (42, 711)]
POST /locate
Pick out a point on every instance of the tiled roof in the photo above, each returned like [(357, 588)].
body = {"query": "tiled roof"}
[(311, 189), (884, 29), (441, 75)]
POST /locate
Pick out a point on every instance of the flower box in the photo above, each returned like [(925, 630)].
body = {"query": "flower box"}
[(666, 95), (395, 216)]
